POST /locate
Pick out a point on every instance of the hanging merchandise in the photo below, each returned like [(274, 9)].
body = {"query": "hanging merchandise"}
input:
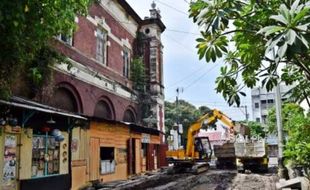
[(58, 136)]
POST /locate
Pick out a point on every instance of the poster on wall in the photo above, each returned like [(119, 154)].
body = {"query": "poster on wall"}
[(146, 138), (9, 169), (121, 155)]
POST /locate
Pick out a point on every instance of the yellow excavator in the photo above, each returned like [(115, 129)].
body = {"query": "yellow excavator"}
[(195, 157)]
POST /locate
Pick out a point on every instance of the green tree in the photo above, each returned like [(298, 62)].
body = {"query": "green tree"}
[(26, 29), (297, 127), (266, 35), (203, 109), (185, 113), (297, 148), (289, 112), (256, 129)]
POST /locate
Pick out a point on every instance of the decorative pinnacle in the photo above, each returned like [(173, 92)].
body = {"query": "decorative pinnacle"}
[(153, 5)]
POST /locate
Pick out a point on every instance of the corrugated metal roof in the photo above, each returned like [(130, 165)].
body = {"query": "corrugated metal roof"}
[(31, 105)]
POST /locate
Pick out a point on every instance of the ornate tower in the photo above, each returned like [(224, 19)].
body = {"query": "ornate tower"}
[(152, 28)]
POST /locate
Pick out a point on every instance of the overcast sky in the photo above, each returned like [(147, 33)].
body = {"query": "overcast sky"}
[(182, 68)]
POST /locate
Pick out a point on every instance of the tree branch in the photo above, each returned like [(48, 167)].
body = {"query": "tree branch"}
[(305, 95), (302, 66), (238, 30)]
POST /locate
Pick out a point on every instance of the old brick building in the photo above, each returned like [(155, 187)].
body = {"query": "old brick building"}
[(101, 50), (96, 84)]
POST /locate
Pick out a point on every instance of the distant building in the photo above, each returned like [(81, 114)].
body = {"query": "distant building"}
[(262, 101), (216, 137)]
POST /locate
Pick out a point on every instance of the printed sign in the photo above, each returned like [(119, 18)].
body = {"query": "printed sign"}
[(9, 168)]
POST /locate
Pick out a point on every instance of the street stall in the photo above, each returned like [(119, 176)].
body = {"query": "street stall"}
[(35, 141), (119, 149)]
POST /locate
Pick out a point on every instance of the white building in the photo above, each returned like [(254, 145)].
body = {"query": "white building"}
[(262, 101)]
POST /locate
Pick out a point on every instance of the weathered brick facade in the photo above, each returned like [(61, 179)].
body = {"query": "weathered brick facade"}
[(93, 81)]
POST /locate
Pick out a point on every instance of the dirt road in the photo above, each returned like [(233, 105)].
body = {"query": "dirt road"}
[(240, 182), (223, 179), (210, 180)]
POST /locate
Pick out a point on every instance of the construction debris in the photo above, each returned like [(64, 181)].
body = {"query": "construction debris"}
[(295, 183)]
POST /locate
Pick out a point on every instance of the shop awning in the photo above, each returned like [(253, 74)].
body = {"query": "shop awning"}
[(31, 105)]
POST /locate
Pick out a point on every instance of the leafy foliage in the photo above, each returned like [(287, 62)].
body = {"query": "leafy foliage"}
[(185, 113), (297, 127), (297, 147), (265, 35), (289, 112), (26, 28), (138, 74), (256, 129)]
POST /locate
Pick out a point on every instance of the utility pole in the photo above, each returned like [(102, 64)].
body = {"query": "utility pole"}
[(246, 111), (178, 90), (282, 170)]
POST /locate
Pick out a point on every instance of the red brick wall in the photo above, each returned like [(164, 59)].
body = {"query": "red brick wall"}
[(90, 95), (79, 57), (115, 60), (84, 38), (116, 27), (84, 52)]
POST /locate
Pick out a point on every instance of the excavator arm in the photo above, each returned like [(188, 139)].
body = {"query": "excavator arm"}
[(211, 117), (188, 160)]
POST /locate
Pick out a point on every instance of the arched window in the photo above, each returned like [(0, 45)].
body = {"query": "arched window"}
[(103, 110), (129, 116), (64, 99)]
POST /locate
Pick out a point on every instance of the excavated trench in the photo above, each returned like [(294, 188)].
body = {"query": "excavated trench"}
[(211, 180)]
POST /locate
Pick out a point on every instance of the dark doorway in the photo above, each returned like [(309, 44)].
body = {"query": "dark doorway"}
[(131, 151)]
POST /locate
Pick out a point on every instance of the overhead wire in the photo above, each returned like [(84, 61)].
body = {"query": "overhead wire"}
[(180, 44), (186, 77), (184, 32), (202, 76), (170, 6)]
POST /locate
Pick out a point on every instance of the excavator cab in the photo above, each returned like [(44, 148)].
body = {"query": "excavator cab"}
[(196, 164), (197, 153), (203, 147)]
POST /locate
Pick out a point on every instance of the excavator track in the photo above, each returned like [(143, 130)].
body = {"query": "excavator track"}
[(197, 168), (200, 168)]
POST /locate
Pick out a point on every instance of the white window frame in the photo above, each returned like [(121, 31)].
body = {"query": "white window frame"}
[(61, 37), (126, 62), (107, 166), (101, 36)]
